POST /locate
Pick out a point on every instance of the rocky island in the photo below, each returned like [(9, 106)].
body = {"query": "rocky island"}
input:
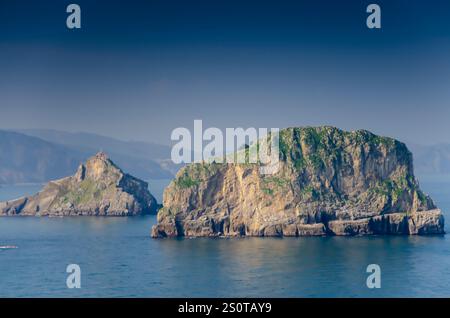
[(99, 188), (331, 182)]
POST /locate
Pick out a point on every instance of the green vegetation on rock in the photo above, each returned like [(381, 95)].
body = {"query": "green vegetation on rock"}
[(185, 182)]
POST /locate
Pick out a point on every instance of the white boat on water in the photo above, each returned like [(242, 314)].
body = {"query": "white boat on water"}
[(7, 247)]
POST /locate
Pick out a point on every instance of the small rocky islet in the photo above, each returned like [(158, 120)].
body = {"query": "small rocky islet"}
[(98, 188), (330, 182)]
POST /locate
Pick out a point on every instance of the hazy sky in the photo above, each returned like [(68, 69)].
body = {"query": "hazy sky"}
[(139, 69)]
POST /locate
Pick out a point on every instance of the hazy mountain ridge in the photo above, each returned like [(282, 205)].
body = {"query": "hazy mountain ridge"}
[(43, 155), (431, 159), (29, 159), (138, 149)]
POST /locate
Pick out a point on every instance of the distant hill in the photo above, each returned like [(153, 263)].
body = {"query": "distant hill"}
[(28, 156), (143, 159), (433, 159), (97, 142), (29, 159)]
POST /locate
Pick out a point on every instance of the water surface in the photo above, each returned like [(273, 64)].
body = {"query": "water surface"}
[(119, 259)]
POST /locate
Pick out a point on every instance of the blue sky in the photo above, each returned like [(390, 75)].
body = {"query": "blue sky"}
[(139, 69)]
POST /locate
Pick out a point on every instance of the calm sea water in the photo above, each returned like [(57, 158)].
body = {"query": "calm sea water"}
[(119, 259)]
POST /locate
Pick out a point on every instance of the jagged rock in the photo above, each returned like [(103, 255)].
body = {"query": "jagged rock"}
[(98, 188), (330, 182)]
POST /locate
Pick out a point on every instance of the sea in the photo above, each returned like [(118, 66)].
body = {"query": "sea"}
[(118, 258)]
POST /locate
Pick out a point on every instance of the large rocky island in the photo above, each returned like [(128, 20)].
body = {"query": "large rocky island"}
[(331, 182), (98, 188)]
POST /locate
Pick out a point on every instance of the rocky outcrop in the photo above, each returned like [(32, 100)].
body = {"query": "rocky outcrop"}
[(98, 188), (423, 222), (330, 182)]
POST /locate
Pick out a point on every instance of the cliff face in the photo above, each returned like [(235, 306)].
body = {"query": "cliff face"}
[(99, 187), (330, 182)]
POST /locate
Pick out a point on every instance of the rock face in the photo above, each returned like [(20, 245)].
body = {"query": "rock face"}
[(330, 182), (98, 188)]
